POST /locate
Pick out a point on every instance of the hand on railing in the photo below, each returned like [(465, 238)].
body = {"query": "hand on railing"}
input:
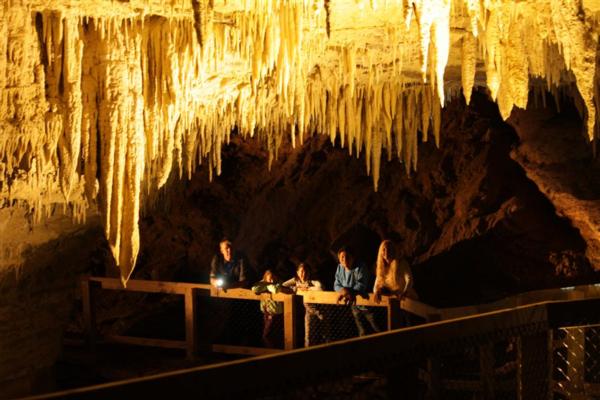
[(347, 296), (377, 296)]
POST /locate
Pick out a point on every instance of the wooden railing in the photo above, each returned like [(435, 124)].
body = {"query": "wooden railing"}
[(195, 340), (300, 368)]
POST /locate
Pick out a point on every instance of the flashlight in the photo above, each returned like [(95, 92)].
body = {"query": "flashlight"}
[(219, 282)]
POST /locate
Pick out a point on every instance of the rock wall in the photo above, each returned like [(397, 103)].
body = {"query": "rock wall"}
[(39, 285), (471, 221), (557, 156), (100, 101)]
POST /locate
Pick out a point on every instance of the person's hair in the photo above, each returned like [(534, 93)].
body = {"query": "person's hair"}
[(269, 271), (306, 270), (380, 268), (225, 239), (347, 250)]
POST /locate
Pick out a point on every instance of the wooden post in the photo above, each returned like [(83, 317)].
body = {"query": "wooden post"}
[(486, 368), (202, 306), (89, 311), (291, 306), (191, 334), (533, 361), (394, 316), (434, 366)]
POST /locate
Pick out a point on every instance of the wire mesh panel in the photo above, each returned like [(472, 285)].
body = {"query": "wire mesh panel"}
[(237, 322), (576, 363), (325, 323), (517, 353), (592, 356)]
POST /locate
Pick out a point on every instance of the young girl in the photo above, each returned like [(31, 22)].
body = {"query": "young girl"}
[(299, 283), (272, 310), (302, 281)]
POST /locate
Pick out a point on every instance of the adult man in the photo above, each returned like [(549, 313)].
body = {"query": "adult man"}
[(228, 269), (352, 279)]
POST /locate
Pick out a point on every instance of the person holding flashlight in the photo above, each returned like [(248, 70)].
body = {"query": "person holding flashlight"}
[(228, 268)]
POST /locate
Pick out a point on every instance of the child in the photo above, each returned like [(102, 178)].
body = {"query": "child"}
[(272, 310), (302, 282)]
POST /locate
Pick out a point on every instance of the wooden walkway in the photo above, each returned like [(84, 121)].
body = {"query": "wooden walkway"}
[(195, 341)]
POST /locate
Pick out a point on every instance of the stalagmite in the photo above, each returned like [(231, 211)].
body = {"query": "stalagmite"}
[(101, 103)]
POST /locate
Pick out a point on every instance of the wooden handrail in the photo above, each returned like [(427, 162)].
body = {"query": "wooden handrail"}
[(147, 286), (289, 370), (192, 344), (537, 296), (191, 290), (317, 297)]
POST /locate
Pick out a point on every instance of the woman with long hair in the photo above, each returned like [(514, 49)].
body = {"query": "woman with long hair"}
[(392, 274)]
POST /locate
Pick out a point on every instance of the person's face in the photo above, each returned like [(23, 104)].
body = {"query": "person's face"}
[(302, 274), (269, 277), (226, 250), (345, 260)]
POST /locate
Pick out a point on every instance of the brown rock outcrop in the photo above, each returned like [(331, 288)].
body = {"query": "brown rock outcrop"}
[(558, 157)]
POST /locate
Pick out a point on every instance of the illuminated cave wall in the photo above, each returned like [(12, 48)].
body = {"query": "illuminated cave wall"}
[(100, 101)]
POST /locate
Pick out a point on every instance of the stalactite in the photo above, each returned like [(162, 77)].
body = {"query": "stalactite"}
[(103, 104), (468, 65)]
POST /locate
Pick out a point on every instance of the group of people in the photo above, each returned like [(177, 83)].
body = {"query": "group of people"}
[(352, 278)]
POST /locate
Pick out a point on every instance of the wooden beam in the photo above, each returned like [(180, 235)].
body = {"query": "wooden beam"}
[(140, 341), (291, 307), (191, 332), (243, 350), (245, 294), (486, 370), (136, 285), (288, 369), (533, 361), (434, 385), (322, 297), (394, 314), (89, 310)]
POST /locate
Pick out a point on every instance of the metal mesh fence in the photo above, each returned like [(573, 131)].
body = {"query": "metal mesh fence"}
[(240, 323), (576, 362), (324, 323), (540, 351)]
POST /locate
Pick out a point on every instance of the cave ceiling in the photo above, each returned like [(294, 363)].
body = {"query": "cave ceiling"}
[(101, 101)]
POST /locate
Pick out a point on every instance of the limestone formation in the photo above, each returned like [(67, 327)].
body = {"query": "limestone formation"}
[(101, 101)]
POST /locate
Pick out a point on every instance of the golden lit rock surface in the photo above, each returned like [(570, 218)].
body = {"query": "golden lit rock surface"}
[(101, 101)]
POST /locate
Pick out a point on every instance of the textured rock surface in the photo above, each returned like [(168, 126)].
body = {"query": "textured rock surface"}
[(562, 165), (469, 216), (101, 100), (38, 294), (471, 221), (102, 103)]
